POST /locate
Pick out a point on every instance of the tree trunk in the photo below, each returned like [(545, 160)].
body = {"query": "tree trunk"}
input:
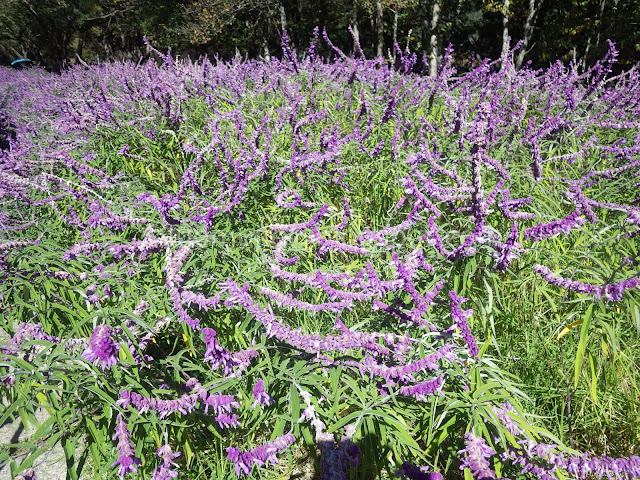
[(435, 19), (528, 31), (598, 29), (379, 29), (395, 33), (265, 49), (354, 23), (283, 18), (600, 20), (505, 34), (80, 49)]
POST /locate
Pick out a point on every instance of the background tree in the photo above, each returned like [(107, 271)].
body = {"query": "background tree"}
[(53, 32)]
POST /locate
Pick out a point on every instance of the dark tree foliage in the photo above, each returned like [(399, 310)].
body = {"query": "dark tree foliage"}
[(57, 32)]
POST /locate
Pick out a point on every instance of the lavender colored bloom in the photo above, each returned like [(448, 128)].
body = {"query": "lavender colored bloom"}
[(226, 420), (203, 303), (260, 395), (282, 200), (244, 461), (102, 349), (346, 214), (278, 253), (421, 390), (502, 412), (294, 227), (165, 471), (582, 202), (336, 462), (184, 404), (411, 472), (476, 454), (546, 230), (612, 291), (531, 453), (287, 300), (215, 353), (403, 373), (460, 318), (28, 475), (312, 343), (126, 459), (326, 244), (508, 251), (30, 331)]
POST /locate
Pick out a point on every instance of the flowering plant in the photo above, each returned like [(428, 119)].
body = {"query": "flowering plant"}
[(227, 268)]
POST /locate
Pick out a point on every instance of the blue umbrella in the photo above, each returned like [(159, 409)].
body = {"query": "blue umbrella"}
[(20, 60)]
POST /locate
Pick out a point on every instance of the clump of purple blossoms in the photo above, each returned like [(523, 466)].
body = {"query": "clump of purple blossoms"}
[(126, 459), (460, 317), (336, 461), (511, 249), (612, 291), (421, 390), (164, 470), (411, 472), (544, 459), (244, 461), (28, 475), (477, 453), (215, 353), (102, 349), (546, 230), (260, 395)]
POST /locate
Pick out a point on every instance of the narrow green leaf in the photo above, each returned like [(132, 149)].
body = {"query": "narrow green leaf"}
[(582, 344)]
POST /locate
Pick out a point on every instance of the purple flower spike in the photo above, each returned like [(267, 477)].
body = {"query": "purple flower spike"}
[(336, 462), (164, 470), (504, 254), (460, 318), (102, 348), (127, 459), (226, 420), (244, 461), (476, 454), (260, 395), (28, 475), (215, 353), (411, 472), (424, 389)]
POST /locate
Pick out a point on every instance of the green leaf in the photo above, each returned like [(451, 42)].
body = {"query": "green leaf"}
[(582, 344)]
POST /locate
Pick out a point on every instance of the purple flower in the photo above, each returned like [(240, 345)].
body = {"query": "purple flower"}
[(346, 214), (102, 348), (460, 318), (421, 390), (546, 230), (502, 412), (294, 227), (260, 395), (283, 200), (28, 475), (336, 462), (244, 461), (504, 254), (278, 253), (612, 291), (226, 420), (164, 470), (215, 353), (127, 459), (476, 454), (411, 472)]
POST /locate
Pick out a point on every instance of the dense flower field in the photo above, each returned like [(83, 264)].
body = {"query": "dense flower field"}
[(215, 269)]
